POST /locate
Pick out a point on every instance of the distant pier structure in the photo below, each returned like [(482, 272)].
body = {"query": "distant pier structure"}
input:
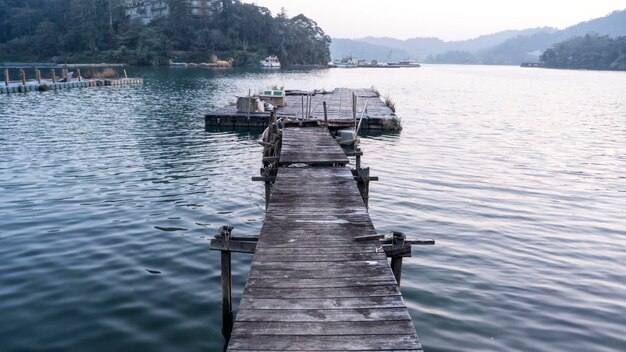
[(340, 108), (44, 78)]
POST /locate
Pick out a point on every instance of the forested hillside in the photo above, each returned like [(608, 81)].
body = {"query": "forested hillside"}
[(99, 30), (591, 52)]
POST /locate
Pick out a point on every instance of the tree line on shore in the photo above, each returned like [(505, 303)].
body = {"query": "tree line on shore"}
[(100, 30), (591, 52)]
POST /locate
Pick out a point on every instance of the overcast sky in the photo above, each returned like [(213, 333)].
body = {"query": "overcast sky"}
[(446, 19)]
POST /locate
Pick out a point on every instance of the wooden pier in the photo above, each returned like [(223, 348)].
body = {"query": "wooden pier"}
[(304, 105), (320, 279), (55, 82)]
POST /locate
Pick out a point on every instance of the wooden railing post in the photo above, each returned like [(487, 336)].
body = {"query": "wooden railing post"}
[(53, 76), (325, 114), (6, 77), (227, 283), (396, 261), (23, 76)]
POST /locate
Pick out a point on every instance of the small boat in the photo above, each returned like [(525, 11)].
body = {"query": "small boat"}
[(177, 64), (270, 62), (347, 62)]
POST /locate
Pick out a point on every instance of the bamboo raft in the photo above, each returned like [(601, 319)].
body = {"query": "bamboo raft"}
[(320, 279), (303, 105)]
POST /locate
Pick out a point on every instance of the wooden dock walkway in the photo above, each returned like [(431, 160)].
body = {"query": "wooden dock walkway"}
[(312, 286)]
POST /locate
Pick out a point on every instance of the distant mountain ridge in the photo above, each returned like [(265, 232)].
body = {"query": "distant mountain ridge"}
[(506, 47)]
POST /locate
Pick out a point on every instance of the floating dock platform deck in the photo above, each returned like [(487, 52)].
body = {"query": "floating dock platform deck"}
[(377, 115), (320, 279)]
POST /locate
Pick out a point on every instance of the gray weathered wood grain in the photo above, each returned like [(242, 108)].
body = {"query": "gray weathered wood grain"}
[(312, 286)]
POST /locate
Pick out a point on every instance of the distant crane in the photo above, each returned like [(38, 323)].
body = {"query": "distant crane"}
[(388, 55)]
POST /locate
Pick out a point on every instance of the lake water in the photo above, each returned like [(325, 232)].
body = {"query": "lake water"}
[(518, 174)]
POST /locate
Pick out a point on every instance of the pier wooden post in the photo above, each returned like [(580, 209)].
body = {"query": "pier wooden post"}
[(80, 77), (6, 77), (396, 261), (274, 127), (23, 76), (249, 103), (354, 109), (53, 76), (227, 283), (38, 76), (325, 114)]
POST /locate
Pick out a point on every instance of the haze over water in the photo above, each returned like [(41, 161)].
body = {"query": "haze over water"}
[(518, 174)]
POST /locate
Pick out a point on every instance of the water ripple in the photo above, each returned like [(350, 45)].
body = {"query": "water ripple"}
[(110, 197)]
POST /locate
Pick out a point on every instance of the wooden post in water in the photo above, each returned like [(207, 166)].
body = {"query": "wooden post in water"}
[(80, 77), (396, 261), (273, 125), (6, 77), (249, 103), (38, 76), (227, 283), (354, 109), (23, 76), (53, 76), (325, 114)]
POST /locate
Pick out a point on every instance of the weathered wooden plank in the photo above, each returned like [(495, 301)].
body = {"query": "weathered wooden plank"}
[(311, 145), (380, 315), (343, 257), (250, 302), (331, 249), (264, 272), (334, 292), (257, 350), (325, 343), (321, 283), (326, 328)]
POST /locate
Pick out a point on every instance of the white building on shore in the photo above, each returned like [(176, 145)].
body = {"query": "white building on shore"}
[(147, 10)]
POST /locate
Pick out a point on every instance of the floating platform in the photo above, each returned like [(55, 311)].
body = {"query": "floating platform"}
[(33, 86), (377, 115)]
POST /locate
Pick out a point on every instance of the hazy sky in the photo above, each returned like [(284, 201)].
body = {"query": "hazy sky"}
[(446, 19)]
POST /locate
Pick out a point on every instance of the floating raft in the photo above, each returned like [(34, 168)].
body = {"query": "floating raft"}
[(33, 86), (313, 285), (339, 102)]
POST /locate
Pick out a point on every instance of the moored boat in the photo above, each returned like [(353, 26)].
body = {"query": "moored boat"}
[(347, 62), (270, 62)]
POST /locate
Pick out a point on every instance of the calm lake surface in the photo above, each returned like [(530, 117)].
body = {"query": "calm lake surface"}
[(518, 174)]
